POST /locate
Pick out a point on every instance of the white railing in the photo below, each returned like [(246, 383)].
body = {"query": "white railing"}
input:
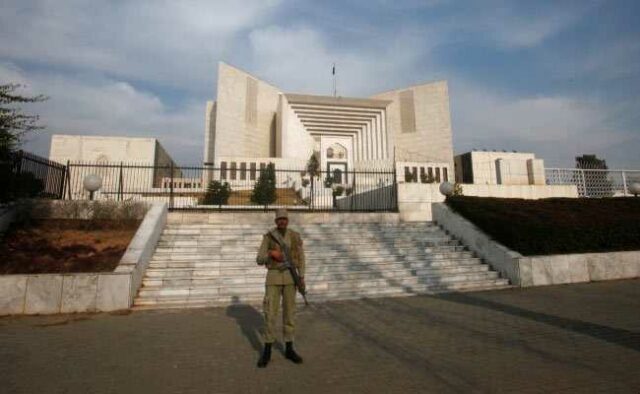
[(594, 183)]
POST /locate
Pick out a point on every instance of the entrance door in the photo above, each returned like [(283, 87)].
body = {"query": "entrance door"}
[(337, 171)]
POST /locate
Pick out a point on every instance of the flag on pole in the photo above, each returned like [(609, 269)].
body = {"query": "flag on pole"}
[(333, 71)]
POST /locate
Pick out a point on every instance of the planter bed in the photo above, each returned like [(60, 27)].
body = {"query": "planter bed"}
[(84, 264), (555, 225), (65, 245), (554, 268)]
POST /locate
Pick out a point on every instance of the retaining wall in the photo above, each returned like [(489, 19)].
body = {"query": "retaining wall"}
[(87, 292), (538, 270)]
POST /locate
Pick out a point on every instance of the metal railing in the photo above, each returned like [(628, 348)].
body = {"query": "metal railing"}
[(234, 188), (27, 175), (594, 182)]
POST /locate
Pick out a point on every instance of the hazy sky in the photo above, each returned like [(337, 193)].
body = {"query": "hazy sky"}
[(557, 78)]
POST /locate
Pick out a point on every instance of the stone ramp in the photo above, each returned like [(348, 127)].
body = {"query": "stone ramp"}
[(200, 265)]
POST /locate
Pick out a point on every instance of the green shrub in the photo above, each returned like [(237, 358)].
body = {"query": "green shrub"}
[(264, 191), (555, 225), (217, 193)]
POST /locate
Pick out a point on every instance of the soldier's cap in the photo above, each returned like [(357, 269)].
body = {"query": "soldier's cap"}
[(281, 213)]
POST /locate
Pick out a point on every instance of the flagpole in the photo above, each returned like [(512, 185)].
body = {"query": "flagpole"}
[(333, 71)]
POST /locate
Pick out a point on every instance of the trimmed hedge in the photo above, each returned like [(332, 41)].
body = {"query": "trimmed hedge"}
[(555, 225)]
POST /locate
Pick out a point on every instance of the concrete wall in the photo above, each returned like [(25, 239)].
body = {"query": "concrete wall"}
[(101, 148), (440, 172), (538, 270), (245, 115), (503, 168), (292, 139), (529, 192), (415, 200), (496, 255), (112, 151), (209, 132), (432, 139), (380, 198)]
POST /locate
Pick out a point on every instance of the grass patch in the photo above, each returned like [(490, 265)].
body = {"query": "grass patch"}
[(555, 225)]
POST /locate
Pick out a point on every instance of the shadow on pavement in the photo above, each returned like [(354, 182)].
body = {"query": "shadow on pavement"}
[(249, 320), (618, 336)]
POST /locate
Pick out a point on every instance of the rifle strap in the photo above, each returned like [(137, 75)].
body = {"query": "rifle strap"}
[(276, 236)]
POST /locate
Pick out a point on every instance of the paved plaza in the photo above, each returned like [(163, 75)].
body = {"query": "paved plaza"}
[(572, 338)]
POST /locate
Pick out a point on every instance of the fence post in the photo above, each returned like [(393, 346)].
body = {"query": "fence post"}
[(395, 188), (120, 184), (69, 179), (624, 183), (15, 179), (584, 183), (171, 188), (19, 158), (62, 180)]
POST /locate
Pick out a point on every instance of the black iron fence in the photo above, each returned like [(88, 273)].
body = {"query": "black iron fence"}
[(238, 188), (24, 174)]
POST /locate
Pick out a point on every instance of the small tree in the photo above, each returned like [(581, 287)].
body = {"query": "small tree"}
[(217, 193), (14, 124), (313, 169), (264, 191)]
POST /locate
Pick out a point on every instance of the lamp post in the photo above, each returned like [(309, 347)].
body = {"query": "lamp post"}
[(91, 183), (446, 188), (634, 188)]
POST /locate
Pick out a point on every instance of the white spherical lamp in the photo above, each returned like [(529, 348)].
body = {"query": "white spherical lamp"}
[(92, 182), (634, 188), (446, 188)]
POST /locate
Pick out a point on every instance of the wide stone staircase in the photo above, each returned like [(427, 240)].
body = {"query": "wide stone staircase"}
[(198, 265)]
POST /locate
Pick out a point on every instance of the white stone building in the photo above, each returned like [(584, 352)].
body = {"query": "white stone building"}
[(126, 165), (253, 121), (499, 168)]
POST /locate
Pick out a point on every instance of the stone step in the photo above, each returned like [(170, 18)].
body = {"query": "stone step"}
[(250, 258), (428, 243), (191, 278), (308, 232), (328, 262), (331, 265), (330, 244), (162, 250), (318, 287), (256, 298), (301, 227), (305, 236), (312, 254), (195, 242)]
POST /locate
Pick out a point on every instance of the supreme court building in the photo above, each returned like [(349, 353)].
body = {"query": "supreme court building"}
[(252, 122)]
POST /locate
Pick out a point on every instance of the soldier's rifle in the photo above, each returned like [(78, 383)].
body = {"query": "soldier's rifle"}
[(289, 264)]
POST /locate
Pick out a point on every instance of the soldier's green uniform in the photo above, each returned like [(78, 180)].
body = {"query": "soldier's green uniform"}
[(279, 284)]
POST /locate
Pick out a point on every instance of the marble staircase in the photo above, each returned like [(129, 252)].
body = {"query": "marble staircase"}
[(199, 265)]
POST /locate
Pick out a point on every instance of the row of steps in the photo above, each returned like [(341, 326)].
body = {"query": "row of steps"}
[(198, 265)]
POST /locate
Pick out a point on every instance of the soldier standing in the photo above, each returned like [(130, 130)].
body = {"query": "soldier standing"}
[(280, 284)]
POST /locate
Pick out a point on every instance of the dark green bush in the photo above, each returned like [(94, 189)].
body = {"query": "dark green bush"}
[(217, 193), (264, 191), (555, 225)]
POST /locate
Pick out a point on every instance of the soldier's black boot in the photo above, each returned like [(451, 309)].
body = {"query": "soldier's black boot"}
[(266, 356), (291, 354)]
